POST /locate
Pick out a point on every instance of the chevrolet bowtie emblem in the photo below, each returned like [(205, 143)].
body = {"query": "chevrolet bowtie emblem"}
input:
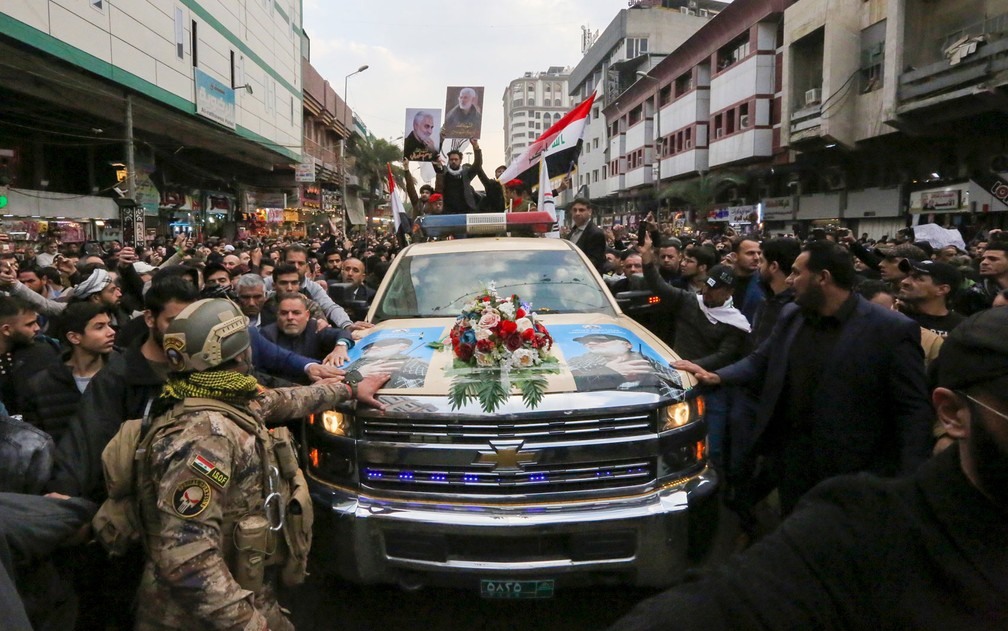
[(507, 456)]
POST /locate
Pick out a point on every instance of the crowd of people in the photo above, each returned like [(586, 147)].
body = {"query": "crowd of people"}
[(817, 358), (91, 337)]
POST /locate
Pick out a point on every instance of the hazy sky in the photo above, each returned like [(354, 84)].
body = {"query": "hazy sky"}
[(416, 48)]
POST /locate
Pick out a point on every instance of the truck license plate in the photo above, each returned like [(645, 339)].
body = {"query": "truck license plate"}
[(516, 589)]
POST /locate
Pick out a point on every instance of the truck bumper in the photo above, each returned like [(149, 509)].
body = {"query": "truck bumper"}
[(640, 540)]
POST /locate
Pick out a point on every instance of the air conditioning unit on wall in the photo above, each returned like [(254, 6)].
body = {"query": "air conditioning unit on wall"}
[(813, 96)]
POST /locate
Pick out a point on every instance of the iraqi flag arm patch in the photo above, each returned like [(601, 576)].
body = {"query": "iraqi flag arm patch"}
[(209, 470)]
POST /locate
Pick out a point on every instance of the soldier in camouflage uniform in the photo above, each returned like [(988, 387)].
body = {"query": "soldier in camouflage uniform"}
[(217, 491)]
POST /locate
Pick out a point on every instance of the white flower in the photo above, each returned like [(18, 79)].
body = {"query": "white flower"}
[(524, 358), (523, 324), (483, 333), (507, 310)]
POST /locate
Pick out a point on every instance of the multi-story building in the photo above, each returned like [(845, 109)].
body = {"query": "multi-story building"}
[(328, 124), (712, 103), (193, 105), (636, 39), (873, 114), (532, 103), (895, 112)]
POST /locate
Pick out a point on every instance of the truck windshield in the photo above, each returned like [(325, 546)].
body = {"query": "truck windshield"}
[(439, 285)]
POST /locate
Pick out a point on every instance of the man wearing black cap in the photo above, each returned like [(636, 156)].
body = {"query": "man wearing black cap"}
[(709, 332), (889, 265), (860, 552), (925, 293)]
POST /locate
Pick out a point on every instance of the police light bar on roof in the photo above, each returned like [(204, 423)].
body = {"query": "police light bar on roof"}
[(486, 224)]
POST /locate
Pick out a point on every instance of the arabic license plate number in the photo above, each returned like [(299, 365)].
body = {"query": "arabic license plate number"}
[(516, 589)]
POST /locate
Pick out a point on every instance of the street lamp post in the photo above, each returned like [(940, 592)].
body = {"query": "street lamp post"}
[(343, 169)]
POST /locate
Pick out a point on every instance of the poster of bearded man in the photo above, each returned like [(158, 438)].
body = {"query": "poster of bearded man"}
[(423, 142), (464, 118)]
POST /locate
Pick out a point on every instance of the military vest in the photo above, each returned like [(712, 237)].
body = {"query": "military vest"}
[(277, 534)]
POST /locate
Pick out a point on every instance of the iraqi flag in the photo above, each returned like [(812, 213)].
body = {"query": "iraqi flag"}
[(399, 216), (546, 199), (560, 145)]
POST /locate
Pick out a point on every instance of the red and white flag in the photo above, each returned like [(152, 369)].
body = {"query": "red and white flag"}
[(559, 145), (401, 220)]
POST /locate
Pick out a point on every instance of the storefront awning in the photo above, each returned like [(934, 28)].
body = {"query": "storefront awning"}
[(47, 205)]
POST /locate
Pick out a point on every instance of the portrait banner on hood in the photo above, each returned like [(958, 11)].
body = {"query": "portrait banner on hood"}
[(615, 358), (422, 134), (403, 354), (464, 107)]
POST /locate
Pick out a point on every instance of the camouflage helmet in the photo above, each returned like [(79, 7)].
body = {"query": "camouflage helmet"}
[(206, 334)]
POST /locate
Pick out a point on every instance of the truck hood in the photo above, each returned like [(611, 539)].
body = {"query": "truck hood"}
[(595, 354)]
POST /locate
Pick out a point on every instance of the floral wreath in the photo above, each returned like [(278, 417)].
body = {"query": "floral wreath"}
[(507, 344)]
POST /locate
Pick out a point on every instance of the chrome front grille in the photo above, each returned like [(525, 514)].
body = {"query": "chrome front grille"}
[(477, 430), (532, 479)]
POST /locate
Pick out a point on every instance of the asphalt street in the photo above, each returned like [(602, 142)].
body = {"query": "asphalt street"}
[(330, 604)]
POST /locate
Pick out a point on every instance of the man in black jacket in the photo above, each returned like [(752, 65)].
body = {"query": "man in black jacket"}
[(843, 387), (709, 331), (585, 234), (23, 352), (924, 552), (51, 397), (459, 196)]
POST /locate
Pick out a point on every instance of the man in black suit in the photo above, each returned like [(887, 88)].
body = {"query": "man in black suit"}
[(843, 385), (296, 331), (925, 552), (585, 234), (354, 273)]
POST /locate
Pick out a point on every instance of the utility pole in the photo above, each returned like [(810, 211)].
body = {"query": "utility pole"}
[(343, 169), (130, 152)]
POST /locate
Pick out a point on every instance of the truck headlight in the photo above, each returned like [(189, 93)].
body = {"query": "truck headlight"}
[(678, 415), (332, 421)]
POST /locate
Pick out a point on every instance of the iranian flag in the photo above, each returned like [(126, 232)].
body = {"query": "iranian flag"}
[(559, 145), (399, 216)]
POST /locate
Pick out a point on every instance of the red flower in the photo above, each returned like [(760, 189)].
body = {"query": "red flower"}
[(464, 352), (520, 313), (513, 342), (484, 346), (507, 327), (528, 335), (486, 298)]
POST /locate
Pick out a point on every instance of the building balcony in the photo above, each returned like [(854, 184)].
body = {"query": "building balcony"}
[(641, 176), (959, 63), (742, 146), (328, 157), (685, 162), (975, 67)]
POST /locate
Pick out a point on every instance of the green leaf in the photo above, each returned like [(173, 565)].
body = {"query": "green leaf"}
[(532, 389), (462, 391), (491, 394)]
